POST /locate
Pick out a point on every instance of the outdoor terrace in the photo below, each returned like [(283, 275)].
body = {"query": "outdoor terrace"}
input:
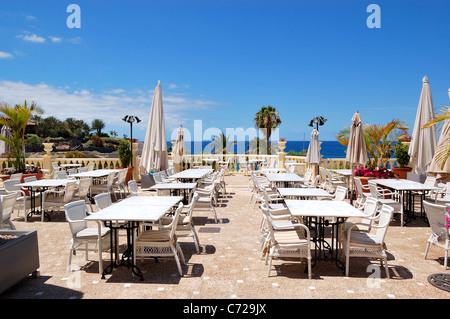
[(229, 265)]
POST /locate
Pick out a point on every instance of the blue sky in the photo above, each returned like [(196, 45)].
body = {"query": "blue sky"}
[(220, 61)]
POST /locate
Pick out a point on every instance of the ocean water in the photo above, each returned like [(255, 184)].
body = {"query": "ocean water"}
[(329, 149)]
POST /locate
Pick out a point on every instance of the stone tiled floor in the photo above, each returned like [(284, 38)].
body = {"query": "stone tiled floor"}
[(229, 265)]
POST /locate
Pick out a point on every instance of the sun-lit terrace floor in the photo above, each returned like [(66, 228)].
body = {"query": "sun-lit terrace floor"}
[(229, 265)]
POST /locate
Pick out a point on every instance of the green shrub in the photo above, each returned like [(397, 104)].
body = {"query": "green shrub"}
[(401, 154), (124, 152)]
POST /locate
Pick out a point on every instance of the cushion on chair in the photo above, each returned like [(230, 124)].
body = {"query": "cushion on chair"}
[(92, 232), (154, 235), (363, 238), (290, 237)]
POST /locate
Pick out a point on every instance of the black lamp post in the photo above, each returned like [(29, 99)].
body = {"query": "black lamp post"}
[(318, 120), (131, 119)]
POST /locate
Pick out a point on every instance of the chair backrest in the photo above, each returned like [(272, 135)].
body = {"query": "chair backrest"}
[(71, 171), (10, 185), (430, 180), (90, 166), (384, 219), (7, 206), (122, 176), (103, 200), (75, 213), (373, 190), (133, 187), (174, 222), (69, 191), (16, 176), (61, 174), (447, 191), (110, 179), (358, 185), (369, 209), (157, 177), (307, 176), (315, 182), (55, 165), (191, 207), (29, 179), (84, 187), (340, 193), (82, 169), (436, 217)]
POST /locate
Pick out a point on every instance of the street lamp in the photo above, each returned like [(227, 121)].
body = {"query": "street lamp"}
[(318, 120), (131, 119)]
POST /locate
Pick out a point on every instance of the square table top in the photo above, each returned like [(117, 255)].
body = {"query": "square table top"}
[(174, 186), (46, 183), (192, 173), (403, 184), (284, 177), (303, 192), (345, 172), (95, 173), (322, 208), (137, 208)]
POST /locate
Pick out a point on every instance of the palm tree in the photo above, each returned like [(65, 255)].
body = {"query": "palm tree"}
[(221, 144), (267, 119), (443, 150), (17, 118), (98, 125), (380, 139)]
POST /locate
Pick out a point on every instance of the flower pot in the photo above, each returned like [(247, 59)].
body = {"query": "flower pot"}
[(19, 257), (401, 172)]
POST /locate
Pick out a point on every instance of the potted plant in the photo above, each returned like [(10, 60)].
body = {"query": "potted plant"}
[(125, 157), (401, 154), (19, 256)]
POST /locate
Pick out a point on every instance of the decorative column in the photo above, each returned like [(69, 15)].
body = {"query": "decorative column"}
[(48, 158), (281, 153)]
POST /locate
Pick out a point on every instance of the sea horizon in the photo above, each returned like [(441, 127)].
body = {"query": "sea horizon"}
[(329, 149)]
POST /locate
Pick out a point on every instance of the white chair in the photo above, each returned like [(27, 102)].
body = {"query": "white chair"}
[(62, 175), (23, 201), (441, 197), (136, 191), (340, 193), (357, 243), (161, 242), (71, 171), (286, 242), (243, 166), (82, 169), (16, 176), (84, 237), (56, 199), (119, 182), (29, 179), (90, 167), (6, 210), (102, 200), (83, 190), (185, 225), (440, 235), (380, 194), (363, 190), (107, 186), (207, 197)]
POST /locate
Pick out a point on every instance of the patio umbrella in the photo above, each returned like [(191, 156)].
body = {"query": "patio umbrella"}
[(423, 141), (356, 149), (444, 141), (313, 154), (154, 151), (5, 132), (178, 148)]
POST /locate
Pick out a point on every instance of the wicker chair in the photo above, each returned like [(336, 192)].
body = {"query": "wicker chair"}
[(357, 243), (7, 207), (292, 240), (161, 242), (83, 237), (440, 235)]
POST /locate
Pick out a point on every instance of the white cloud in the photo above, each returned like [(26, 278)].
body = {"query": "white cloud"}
[(76, 40), (5, 55), (32, 38), (55, 39), (87, 105), (31, 18)]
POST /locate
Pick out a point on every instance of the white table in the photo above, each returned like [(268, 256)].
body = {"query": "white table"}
[(285, 179), (41, 186), (271, 170), (131, 210), (303, 192), (192, 175), (319, 214), (176, 188), (405, 188), (347, 173), (98, 173)]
